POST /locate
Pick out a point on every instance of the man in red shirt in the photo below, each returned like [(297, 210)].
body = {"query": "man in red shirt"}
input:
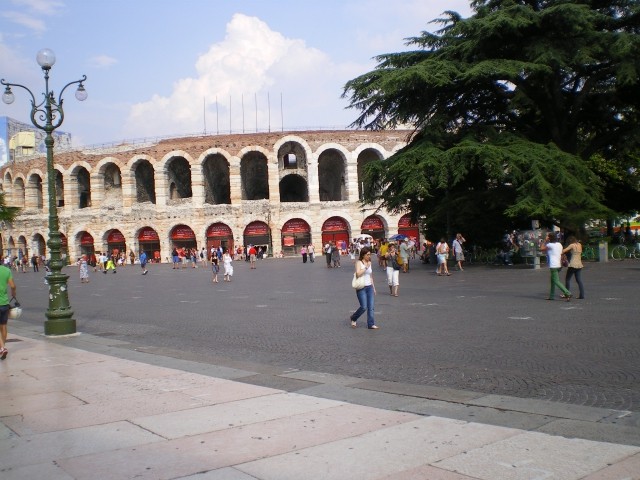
[(252, 256)]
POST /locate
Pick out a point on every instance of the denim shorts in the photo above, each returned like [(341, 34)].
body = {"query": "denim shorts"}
[(4, 314)]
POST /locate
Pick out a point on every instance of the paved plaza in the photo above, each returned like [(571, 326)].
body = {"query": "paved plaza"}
[(472, 376)]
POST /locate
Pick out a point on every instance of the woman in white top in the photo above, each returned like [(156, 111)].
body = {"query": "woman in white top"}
[(365, 295), (228, 268), (554, 255)]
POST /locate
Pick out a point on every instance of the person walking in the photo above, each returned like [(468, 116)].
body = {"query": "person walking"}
[(143, 262), (554, 259), (303, 251), (311, 252), (175, 257), (215, 266), (34, 262), (404, 254), (393, 270), (574, 251), (253, 253), (6, 280), (335, 255), (228, 268), (442, 250), (83, 269), (458, 251), (365, 295)]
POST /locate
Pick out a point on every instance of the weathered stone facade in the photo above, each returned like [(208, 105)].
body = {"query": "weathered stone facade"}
[(281, 190)]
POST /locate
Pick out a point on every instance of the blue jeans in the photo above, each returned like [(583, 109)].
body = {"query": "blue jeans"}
[(365, 297)]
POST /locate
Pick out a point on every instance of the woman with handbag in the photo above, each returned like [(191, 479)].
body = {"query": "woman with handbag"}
[(393, 270), (367, 292), (6, 279)]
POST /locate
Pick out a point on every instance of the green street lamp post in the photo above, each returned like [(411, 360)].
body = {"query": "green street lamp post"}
[(47, 116)]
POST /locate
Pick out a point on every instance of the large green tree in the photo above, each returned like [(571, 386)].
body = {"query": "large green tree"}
[(509, 108)]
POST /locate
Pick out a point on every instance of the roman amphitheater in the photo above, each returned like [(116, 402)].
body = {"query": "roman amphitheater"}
[(278, 190)]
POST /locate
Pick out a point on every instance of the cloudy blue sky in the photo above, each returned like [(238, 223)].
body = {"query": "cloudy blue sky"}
[(156, 67)]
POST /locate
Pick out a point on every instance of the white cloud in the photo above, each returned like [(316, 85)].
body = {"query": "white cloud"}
[(45, 7), (26, 20), (102, 61), (252, 61)]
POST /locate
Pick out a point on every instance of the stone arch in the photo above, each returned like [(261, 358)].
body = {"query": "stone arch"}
[(217, 179), (332, 176), (79, 174), (254, 176), (59, 188), (111, 174), (292, 156), (39, 244), (294, 188), (364, 157), (178, 171), (34, 196), (145, 179), (18, 192)]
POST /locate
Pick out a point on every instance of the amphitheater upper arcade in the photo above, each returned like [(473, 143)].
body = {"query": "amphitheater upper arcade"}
[(284, 183)]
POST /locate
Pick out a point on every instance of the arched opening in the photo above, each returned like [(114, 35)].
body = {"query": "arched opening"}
[(179, 179), (258, 234), (116, 244), (59, 189), (34, 192), (85, 240), (18, 193), (112, 186), (84, 187), (296, 233), (39, 244), (294, 188), (336, 230), (332, 179), (254, 176), (145, 182), (374, 226), (365, 157), (409, 229), (219, 235), (182, 237), (149, 242), (217, 186)]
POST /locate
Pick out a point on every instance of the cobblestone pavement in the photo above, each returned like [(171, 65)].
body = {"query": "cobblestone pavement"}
[(487, 329)]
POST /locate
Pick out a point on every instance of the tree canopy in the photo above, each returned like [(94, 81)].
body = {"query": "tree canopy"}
[(526, 110)]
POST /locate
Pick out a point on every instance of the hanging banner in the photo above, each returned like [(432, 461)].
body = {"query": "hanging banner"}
[(182, 232), (86, 239), (115, 237), (335, 224), (256, 229), (148, 234), (296, 225), (219, 230), (372, 223)]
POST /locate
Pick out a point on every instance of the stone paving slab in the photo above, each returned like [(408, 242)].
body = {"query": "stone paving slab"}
[(242, 412), (535, 455), (55, 446), (379, 453), (233, 445)]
